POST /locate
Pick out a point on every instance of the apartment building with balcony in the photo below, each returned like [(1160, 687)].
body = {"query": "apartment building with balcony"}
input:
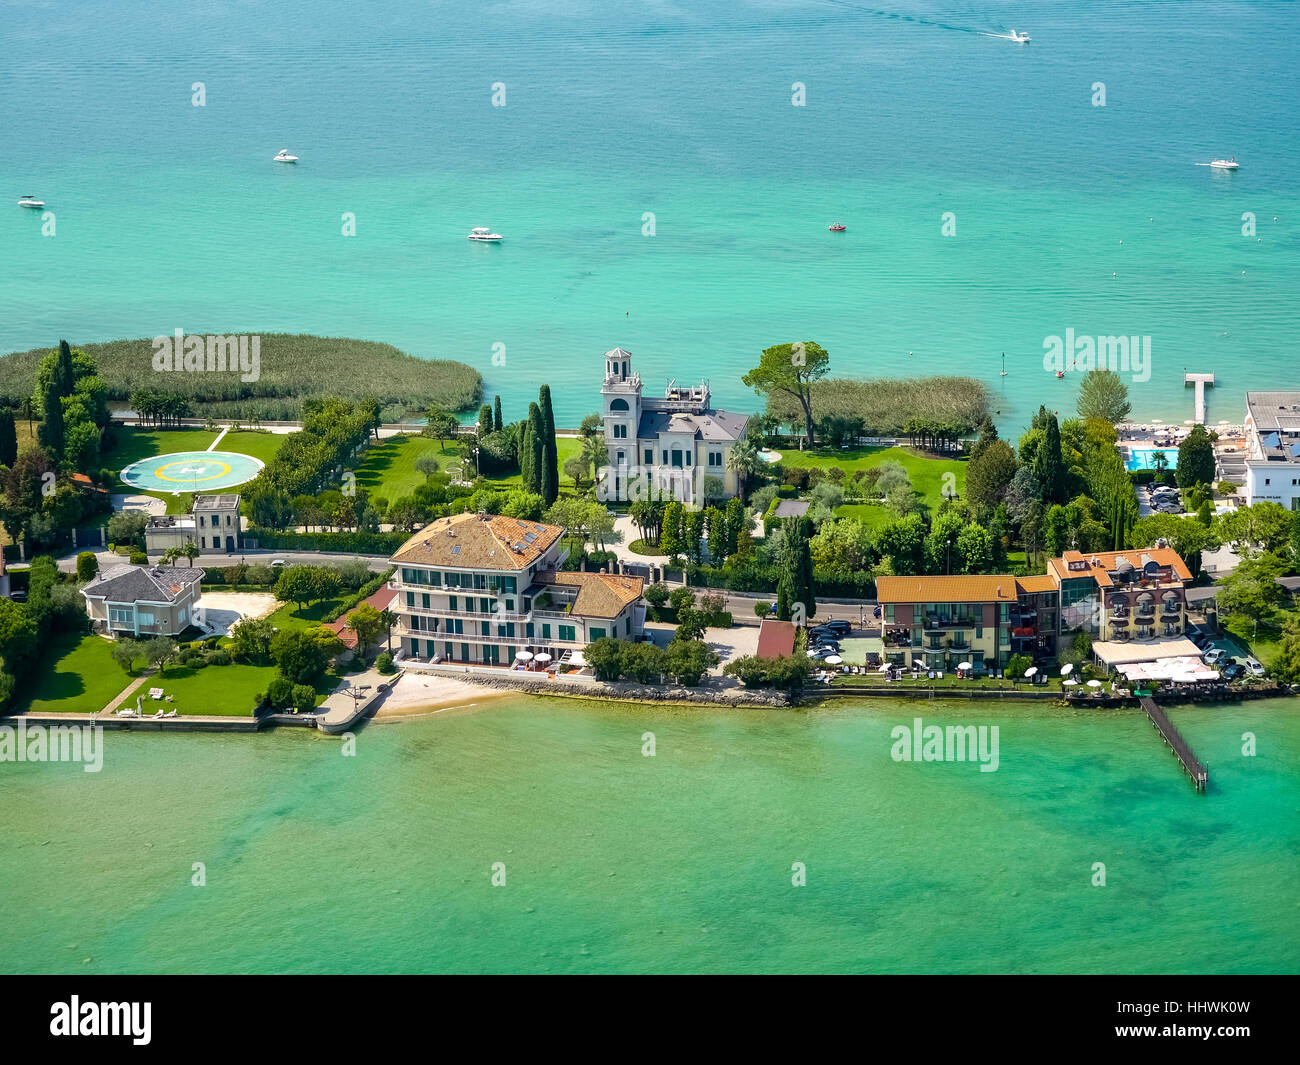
[(480, 588), (1117, 597)]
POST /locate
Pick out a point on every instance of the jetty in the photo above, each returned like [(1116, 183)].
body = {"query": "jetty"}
[(1199, 381), (1190, 763)]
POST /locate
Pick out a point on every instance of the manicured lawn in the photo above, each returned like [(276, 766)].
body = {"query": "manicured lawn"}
[(219, 690), (388, 469), (291, 616), (77, 674), (926, 472), (640, 547), (870, 514), (260, 445)]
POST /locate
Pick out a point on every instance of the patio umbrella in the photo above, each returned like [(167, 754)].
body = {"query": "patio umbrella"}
[(1094, 684), (1031, 671), (1070, 683), (885, 668), (1065, 669), (964, 665), (523, 656), (542, 656), (833, 660)]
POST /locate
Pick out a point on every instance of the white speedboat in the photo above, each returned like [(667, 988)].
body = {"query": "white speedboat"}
[(31, 201), (1224, 164), (283, 156), (1019, 38), (484, 234)]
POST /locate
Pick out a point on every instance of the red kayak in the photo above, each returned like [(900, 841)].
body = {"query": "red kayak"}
[(836, 228)]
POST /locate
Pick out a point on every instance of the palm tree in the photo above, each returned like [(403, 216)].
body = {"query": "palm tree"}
[(389, 619), (745, 460), (595, 452), (170, 556), (190, 550)]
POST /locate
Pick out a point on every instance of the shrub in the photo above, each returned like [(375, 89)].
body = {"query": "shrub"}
[(762, 609), (304, 697), (87, 566), (656, 595), (139, 558), (218, 658), (384, 663), (681, 598), (279, 692)]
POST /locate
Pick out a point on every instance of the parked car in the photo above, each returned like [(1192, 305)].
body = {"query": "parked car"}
[(838, 627), (1255, 668), (1234, 671), (277, 563), (18, 595), (1215, 655), (876, 612)]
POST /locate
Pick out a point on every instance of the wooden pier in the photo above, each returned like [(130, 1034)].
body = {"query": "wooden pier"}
[(1190, 763)]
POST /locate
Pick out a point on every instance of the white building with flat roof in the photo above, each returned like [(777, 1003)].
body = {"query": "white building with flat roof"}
[(1272, 458)]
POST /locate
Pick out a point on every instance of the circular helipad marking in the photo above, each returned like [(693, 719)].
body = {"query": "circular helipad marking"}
[(192, 471)]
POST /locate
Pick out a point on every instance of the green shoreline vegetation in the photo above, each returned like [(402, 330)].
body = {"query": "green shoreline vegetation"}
[(293, 367)]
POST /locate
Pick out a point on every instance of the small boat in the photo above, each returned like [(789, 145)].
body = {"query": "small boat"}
[(31, 201), (1004, 364), (1222, 164), (283, 156), (835, 227), (1019, 38), (482, 233), (1060, 373)]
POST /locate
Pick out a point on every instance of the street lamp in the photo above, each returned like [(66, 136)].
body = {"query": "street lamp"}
[(947, 557)]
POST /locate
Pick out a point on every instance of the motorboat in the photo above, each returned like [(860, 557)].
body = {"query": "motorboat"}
[(836, 227), (1224, 164), (1019, 38), (283, 156), (484, 234), (1060, 373), (31, 201)]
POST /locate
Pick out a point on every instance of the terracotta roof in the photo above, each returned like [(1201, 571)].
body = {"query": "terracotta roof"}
[(1039, 582), (600, 595), (997, 588), (1109, 561), (473, 541), (381, 600), (775, 639)]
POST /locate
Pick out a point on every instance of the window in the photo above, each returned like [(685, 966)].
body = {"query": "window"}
[(464, 652), (147, 619), (567, 633), (452, 602), (1266, 480), (485, 606), (122, 616), (546, 630), (620, 432), (424, 600), (485, 628), (649, 456), (618, 404), (203, 541), (715, 458), (528, 630), (597, 633), (410, 599), (446, 645), (619, 460)]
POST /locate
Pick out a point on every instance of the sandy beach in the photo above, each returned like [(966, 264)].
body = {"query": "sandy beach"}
[(416, 694)]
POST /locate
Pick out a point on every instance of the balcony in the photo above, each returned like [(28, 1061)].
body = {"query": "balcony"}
[(477, 615), (478, 638), (935, 622)]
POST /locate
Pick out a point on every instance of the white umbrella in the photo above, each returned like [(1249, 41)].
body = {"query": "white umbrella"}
[(811, 654), (542, 656), (885, 668), (1094, 684), (1065, 669), (833, 660), (1071, 682), (965, 665), (523, 656), (1031, 671)]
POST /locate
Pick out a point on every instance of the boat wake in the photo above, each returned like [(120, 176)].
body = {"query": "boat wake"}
[(902, 18)]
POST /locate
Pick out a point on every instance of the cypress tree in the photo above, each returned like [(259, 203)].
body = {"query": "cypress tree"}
[(550, 457), (50, 434), (525, 454), (1048, 468), (806, 584), (484, 421), (537, 446), (8, 438), (496, 414), (64, 375)]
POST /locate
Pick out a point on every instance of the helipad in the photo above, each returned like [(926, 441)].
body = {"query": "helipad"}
[(191, 471)]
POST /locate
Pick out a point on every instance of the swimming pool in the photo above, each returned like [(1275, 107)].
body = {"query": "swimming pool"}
[(1143, 458)]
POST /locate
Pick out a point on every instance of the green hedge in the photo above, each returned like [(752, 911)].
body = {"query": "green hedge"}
[(836, 583), (364, 592), (356, 543)]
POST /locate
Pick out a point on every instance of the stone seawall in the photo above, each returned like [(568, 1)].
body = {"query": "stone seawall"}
[(623, 692)]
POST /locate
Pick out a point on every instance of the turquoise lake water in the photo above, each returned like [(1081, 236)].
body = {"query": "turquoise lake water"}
[(617, 862), (173, 216)]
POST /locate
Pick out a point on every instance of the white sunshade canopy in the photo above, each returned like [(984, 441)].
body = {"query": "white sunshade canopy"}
[(542, 656), (1070, 683), (523, 656), (1031, 671), (1066, 669), (964, 665), (833, 660), (1094, 684)]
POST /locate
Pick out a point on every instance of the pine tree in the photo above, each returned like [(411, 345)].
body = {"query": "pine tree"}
[(550, 486), (496, 414), (8, 438)]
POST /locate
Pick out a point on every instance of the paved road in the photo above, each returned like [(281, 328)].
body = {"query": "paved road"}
[(68, 562)]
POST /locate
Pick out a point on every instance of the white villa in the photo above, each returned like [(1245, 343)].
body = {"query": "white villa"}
[(213, 525), (1273, 448), (485, 588), (676, 442)]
